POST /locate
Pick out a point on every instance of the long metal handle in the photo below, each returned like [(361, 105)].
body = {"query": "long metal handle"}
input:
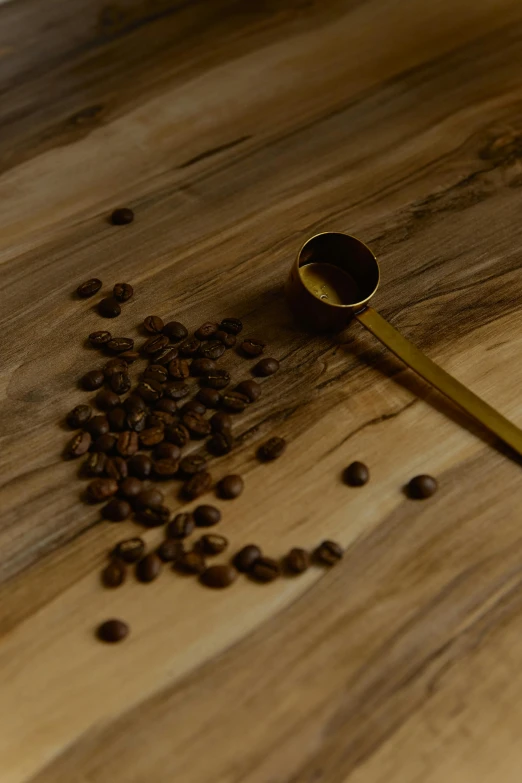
[(440, 379)]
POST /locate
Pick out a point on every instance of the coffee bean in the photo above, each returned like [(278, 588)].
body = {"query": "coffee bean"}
[(92, 380), (95, 464), (179, 369), (167, 451), (234, 401), (422, 487), (116, 510), (251, 389), (120, 382), (140, 465), (120, 344), (178, 434), (151, 437), (156, 372), (271, 449), (116, 468), (113, 631), (89, 288), (160, 419), (148, 568), (106, 399), (150, 391), (206, 516), (212, 544), (165, 468), (122, 216), (192, 464), (174, 390), (211, 350), (149, 498), (193, 406), (134, 404), (197, 485), (100, 338), (113, 575), (117, 419), (216, 379), (265, 569), (328, 553), (206, 330), (166, 405), (297, 561), (219, 576), (153, 517), (130, 487), (169, 550), (136, 421), (246, 557), (109, 307), (221, 422), (175, 331), (356, 474), (122, 292), (104, 443), (190, 347), (226, 339), (153, 324), (210, 398), (79, 445), (266, 367), (130, 551), (127, 444), (230, 487), (113, 366), (220, 443), (252, 348), (190, 563), (79, 416), (98, 425), (165, 356), (231, 325), (99, 489), (155, 344), (196, 424), (129, 356), (201, 366), (181, 526)]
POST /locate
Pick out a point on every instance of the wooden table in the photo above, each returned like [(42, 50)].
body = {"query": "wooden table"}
[(235, 130)]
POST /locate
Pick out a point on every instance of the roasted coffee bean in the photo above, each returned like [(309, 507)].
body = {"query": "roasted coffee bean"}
[(113, 575), (122, 216), (95, 464), (140, 465), (251, 389), (109, 307), (234, 401), (89, 288), (104, 443), (206, 516), (177, 433), (252, 348), (155, 344), (212, 544), (136, 421), (190, 563), (297, 561), (100, 489), (106, 399), (422, 487), (220, 443), (117, 419), (167, 451), (226, 339), (151, 437), (92, 380), (179, 369), (271, 449), (127, 444), (116, 468), (246, 557), (206, 330), (156, 372), (79, 445), (190, 347), (120, 382), (192, 464), (130, 487), (113, 366), (231, 325), (113, 631), (148, 568), (230, 487), (169, 550), (165, 356), (120, 344), (175, 331), (197, 485), (150, 391), (181, 526), (175, 390), (166, 405), (266, 367), (98, 425), (129, 357), (201, 366), (219, 576), (130, 551), (165, 468), (153, 517), (160, 419), (356, 474), (79, 416), (265, 569), (328, 553), (134, 404), (216, 379), (149, 498), (100, 338), (211, 350), (153, 324), (122, 292), (196, 424), (116, 510), (210, 398), (221, 422), (193, 406)]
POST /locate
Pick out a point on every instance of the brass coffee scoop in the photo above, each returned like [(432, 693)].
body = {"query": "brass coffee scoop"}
[(332, 280)]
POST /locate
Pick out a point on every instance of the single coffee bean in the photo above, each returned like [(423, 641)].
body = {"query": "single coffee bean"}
[(201, 366), (129, 357), (252, 348), (151, 437), (266, 367), (179, 369), (356, 474), (136, 421), (148, 568), (130, 487), (211, 350), (79, 416), (155, 344), (265, 569), (160, 419), (120, 382), (216, 379), (112, 631), (297, 561), (117, 419), (190, 563), (165, 468), (246, 557), (219, 576), (109, 307), (156, 372), (212, 544), (113, 575), (79, 445), (175, 390), (181, 526), (134, 404), (114, 365), (271, 449), (153, 517), (422, 487), (122, 292), (116, 468), (140, 465), (192, 464), (104, 443), (190, 347), (100, 338), (234, 401), (193, 406), (230, 487), (169, 550), (210, 398), (167, 451), (92, 380), (150, 391), (106, 399), (206, 330), (116, 510), (196, 424), (178, 434), (95, 464), (98, 425), (130, 551), (165, 356), (226, 339), (166, 405), (206, 516), (149, 498), (175, 331), (220, 443), (197, 485), (231, 325), (120, 344), (328, 553), (89, 288), (100, 489), (127, 444), (122, 216), (221, 422), (153, 324), (251, 389)]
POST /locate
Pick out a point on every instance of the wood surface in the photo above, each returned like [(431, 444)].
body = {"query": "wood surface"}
[(235, 130)]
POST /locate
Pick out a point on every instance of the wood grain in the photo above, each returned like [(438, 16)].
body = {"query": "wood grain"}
[(236, 130)]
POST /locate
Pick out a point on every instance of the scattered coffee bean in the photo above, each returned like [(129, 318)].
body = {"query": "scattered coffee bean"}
[(120, 382), (230, 487), (113, 366), (97, 425), (212, 544), (113, 575), (193, 406), (151, 437), (134, 404), (211, 350), (178, 434), (179, 369), (192, 464), (117, 419), (160, 419), (79, 445), (116, 468), (165, 356), (155, 344), (120, 344), (190, 563), (130, 487), (220, 443), (140, 466), (221, 422), (92, 380), (104, 443), (100, 489), (197, 485), (79, 416), (175, 331), (95, 464), (153, 324), (129, 356), (166, 405), (206, 516), (89, 288), (113, 631), (210, 398), (271, 449), (181, 526), (234, 401), (297, 561), (252, 348), (149, 498), (106, 399), (206, 330), (219, 576), (265, 569), (109, 307), (266, 367), (127, 443), (246, 557), (174, 390), (216, 379), (231, 325), (169, 550), (201, 366), (356, 474), (130, 551), (136, 421), (328, 553), (122, 292), (150, 391), (156, 372), (148, 568), (190, 347), (226, 339), (251, 389), (165, 468), (422, 487), (122, 216), (167, 451), (100, 338), (196, 424), (116, 510), (153, 517)]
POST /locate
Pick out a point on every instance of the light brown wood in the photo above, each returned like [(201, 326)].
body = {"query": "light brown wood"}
[(235, 131)]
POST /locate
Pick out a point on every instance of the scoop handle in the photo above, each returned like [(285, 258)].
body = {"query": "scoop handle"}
[(441, 380)]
